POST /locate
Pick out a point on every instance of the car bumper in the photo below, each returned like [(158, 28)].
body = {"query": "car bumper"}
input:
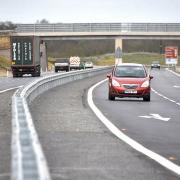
[(122, 92)]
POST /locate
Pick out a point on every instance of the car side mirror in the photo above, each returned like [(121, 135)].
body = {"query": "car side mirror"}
[(108, 75), (151, 77)]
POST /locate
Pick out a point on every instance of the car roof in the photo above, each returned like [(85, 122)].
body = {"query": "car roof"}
[(129, 64)]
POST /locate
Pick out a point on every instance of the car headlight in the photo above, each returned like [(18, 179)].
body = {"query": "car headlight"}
[(145, 84), (115, 83)]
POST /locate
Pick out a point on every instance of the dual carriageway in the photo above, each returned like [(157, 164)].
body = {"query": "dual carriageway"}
[(78, 144)]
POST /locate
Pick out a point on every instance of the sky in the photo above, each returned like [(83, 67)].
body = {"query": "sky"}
[(91, 11)]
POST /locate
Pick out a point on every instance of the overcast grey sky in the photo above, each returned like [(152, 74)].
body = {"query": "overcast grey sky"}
[(65, 11)]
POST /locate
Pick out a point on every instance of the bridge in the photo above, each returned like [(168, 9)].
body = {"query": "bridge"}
[(101, 30), (116, 31)]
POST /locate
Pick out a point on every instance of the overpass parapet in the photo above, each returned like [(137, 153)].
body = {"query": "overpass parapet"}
[(99, 27)]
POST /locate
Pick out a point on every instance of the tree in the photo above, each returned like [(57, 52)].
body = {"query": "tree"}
[(7, 25), (43, 21)]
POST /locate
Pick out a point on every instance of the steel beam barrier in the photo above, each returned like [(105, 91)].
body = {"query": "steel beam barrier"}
[(28, 160)]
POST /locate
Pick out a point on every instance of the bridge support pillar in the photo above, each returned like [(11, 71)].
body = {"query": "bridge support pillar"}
[(118, 50), (43, 54)]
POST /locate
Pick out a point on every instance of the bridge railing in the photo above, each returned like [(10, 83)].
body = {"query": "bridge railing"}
[(99, 27)]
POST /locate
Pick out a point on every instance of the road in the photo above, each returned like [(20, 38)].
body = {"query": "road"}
[(139, 120), (78, 146), (7, 83)]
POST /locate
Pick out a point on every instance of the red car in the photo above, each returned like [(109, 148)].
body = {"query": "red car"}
[(129, 80)]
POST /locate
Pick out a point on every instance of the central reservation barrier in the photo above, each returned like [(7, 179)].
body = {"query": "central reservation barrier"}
[(28, 160)]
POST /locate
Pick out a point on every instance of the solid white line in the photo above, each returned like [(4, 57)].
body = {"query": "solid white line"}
[(10, 89), (158, 158)]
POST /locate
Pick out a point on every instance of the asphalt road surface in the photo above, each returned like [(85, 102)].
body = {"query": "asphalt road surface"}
[(153, 124), (79, 147), (10, 82), (5, 135)]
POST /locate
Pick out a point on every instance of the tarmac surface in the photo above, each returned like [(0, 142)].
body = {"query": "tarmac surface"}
[(79, 147)]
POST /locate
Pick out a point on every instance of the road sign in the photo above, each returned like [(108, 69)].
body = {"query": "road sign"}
[(171, 54)]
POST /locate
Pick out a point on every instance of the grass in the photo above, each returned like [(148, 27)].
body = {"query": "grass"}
[(5, 63), (142, 58)]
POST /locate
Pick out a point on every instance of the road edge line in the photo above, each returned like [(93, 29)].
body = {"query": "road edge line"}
[(135, 145), (5, 90)]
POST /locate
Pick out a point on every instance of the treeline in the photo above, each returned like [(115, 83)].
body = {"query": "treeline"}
[(7, 25), (85, 48), (82, 48), (154, 46)]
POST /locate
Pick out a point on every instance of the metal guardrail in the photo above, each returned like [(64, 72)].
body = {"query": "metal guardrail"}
[(28, 160), (99, 27)]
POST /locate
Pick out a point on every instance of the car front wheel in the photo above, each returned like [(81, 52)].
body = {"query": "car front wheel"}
[(147, 97), (111, 97)]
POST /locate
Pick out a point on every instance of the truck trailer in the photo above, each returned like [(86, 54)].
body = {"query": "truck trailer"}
[(25, 55)]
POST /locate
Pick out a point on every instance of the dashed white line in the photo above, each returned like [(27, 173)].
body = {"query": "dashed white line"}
[(158, 158), (163, 96), (10, 89), (173, 72)]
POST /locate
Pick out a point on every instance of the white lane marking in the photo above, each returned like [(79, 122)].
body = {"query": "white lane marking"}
[(10, 89), (171, 100), (176, 86), (158, 158), (156, 116), (173, 72)]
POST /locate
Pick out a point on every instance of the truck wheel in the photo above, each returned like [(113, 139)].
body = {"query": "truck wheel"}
[(34, 74), (14, 75)]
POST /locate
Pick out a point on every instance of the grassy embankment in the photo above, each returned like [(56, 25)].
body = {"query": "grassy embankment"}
[(5, 64), (142, 58)]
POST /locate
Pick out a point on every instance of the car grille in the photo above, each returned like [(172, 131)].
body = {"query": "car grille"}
[(130, 86)]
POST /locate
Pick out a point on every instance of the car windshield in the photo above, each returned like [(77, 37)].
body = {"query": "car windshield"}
[(130, 71), (61, 60)]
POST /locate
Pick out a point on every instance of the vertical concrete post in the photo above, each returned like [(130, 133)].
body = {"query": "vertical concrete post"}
[(43, 54), (118, 45)]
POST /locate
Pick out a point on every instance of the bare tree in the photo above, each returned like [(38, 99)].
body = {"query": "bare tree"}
[(43, 21), (7, 25)]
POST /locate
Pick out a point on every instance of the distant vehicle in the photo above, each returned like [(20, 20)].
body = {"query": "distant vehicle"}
[(61, 65), (155, 64), (129, 80), (88, 64), (74, 62), (25, 55), (82, 65)]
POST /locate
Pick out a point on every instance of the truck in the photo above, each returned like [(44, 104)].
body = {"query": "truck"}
[(74, 62), (25, 55), (61, 64)]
